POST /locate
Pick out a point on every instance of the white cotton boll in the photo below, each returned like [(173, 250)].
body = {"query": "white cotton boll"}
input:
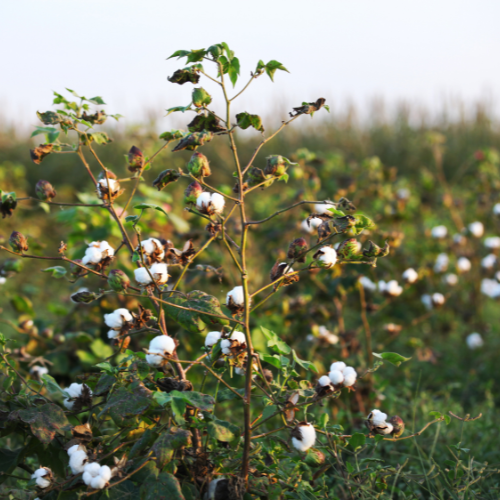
[(87, 478), (489, 261), (117, 318), (112, 334), (491, 288), (218, 202), (162, 343), (336, 377), (312, 225), (497, 275), (42, 482), (349, 370), (463, 264), (203, 200), (493, 242), (451, 279), (410, 275), (324, 381), (441, 264), (92, 256), (151, 245), (349, 379), (38, 371), (337, 365), (474, 340), (496, 209), (393, 289), (403, 194), (239, 337), (459, 239), (73, 449), (322, 208), (308, 437), (155, 358), (225, 346), (327, 256), (77, 461), (328, 336), (476, 229), (240, 371), (426, 299), (3, 280), (377, 417), (111, 184), (141, 276), (439, 232), (159, 270), (381, 286), (98, 483), (92, 468), (237, 296), (367, 283), (104, 246), (105, 472), (438, 299), (212, 338)]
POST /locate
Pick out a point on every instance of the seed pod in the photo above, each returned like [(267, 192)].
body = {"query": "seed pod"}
[(257, 176), (135, 159), (296, 248), (18, 242), (198, 165), (164, 178), (118, 280), (192, 192), (45, 191), (84, 297), (349, 249), (201, 97), (76, 270), (398, 425), (181, 76), (275, 166), (314, 458), (40, 152), (8, 202), (373, 250)]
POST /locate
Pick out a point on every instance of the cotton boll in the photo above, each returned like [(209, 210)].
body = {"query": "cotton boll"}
[(493, 242), (3, 280), (38, 371), (496, 209), (491, 288), (324, 381), (426, 299), (410, 275), (393, 289), (77, 461), (154, 358), (212, 338), (441, 264), (87, 478), (92, 468), (403, 194), (141, 276), (438, 299), (162, 343), (439, 232), (112, 334), (328, 336), (337, 365), (203, 200), (151, 246), (105, 473), (350, 376), (218, 202), (459, 239), (349, 370), (336, 377), (74, 448), (377, 417), (323, 208), (306, 436), (312, 226), (367, 283), (381, 286), (474, 340), (106, 248), (476, 229), (92, 256), (489, 261), (98, 483), (239, 337), (225, 346), (326, 256), (117, 318), (159, 272), (41, 482), (463, 264), (237, 296), (451, 279)]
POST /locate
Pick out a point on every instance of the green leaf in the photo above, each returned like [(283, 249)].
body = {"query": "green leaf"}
[(100, 137), (349, 467), (233, 70), (197, 399), (334, 211), (179, 54), (52, 386), (22, 304), (357, 440), (182, 109), (106, 367), (164, 487), (393, 357), (101, 349), (323, 420), (96, 100), (126, 402), (271, 67), (307, 365), (268, 411), (275, 342), (145, 206), (272, 360), (362, 222), (166, 444), (179, 408), (57, 271), (122, 491), (245, 120), (223, 431)]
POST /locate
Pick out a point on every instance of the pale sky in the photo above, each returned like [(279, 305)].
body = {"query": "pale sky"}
[(423, 51)]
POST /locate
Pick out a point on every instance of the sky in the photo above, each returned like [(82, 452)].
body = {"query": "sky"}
[(425, 52)]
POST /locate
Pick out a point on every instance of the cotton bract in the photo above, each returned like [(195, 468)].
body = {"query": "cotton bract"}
[(306, 437), (40, 475)]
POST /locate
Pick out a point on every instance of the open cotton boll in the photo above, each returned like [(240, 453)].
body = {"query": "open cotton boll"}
[(218, 202), (106, 248), (40, 475), (367, 283), (105, 472), (325, 334), (152, 245), (463, 264), (459, 239), (441, 264), (98, 483), (92, 256), (112, 183), (159, 270), (324, 381), (438, 299), (426, 299), (3, 280), (326, 256), (154, 358), (239, 337), (74, 448), (142, 276), (87, 478), (451, 279), (92, 468), (311, 226), (337, 365), (38, 371), (336, 377), (439, 232), (410, 275), (496, 209), (212, 338), (489, 261), (350, 376), (162, 343), (77, 461), (225, 346), (322, 208), (377, 417), (474, 340), (203, 200), (117, 318), (492, 242), (491, 288), (112, 334), (303, 436), (393, 289), (476, 229), (236, 295), (403, 194)]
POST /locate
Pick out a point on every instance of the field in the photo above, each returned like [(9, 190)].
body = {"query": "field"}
[(408, 178)]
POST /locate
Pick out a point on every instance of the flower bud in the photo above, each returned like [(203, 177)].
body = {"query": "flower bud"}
[(349, 249), (275, 166), (8, 203), (40, 152), (373, 250), (76, 270), (256, 176), (314, 458), (201, 98), (135, 159), (59, 338), (84, 297), (164, 178), (398, 425), (198, 165), (18, 242), (47, 333), (118, 280), (192, 192), (297, 248), (45, 191)]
